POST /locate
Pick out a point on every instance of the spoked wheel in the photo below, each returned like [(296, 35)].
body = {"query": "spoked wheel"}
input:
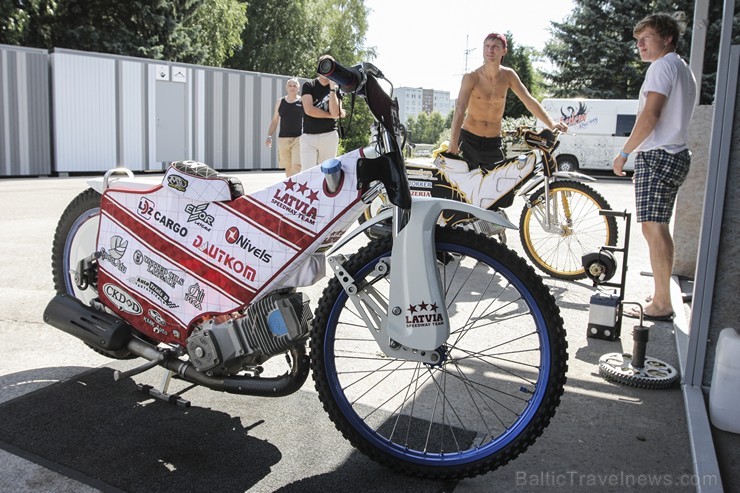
[(576, 228), (499, 377)]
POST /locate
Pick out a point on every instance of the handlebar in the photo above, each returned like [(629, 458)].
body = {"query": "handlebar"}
[(349, 79), (545, 139), (388, 168), (522, 129)]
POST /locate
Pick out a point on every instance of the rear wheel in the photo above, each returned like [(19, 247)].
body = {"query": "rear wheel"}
[(576, 228), (75, 239), (500, 376)]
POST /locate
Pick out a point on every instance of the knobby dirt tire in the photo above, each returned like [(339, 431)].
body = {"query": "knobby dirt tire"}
[(498, 384), (559, 254)]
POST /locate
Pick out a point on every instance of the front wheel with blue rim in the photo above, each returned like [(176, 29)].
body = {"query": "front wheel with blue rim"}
[(496, 386)]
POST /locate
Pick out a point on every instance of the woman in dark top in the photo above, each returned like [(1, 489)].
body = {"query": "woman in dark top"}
[(322, 107), (289, 112)]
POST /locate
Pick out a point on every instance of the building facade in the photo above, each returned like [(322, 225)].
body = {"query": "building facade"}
[(412, 101)]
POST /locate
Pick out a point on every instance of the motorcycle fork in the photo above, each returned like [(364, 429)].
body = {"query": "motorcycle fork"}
[(372, 307), (549, 222), (548, 206)]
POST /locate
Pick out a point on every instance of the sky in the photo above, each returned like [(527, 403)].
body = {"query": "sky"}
[(422, 43)]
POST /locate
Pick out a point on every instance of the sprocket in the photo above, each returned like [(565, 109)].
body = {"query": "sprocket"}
[(656, 374)]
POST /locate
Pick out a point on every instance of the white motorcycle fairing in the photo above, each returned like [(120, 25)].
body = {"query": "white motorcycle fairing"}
[(417, 312), (172, 253)]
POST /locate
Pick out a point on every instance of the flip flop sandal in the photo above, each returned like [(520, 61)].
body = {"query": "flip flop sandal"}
[(633, 313)]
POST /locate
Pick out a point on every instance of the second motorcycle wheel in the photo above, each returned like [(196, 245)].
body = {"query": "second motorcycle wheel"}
[(575, 228)]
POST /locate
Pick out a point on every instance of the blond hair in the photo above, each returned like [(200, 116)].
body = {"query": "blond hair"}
[(666, 25)]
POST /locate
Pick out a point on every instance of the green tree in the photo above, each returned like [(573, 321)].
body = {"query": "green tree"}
[(288, 38), (357, 126), (276, 38), (519, 58), (217, 26), (448, 119), (426, 128), (156, 30), (27, 23), (194, 31), (594, 51)]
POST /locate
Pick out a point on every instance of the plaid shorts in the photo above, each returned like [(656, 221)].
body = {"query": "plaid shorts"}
[(658, 174)]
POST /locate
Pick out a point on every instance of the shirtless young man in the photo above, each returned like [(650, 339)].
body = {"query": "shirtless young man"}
[(476, 125)]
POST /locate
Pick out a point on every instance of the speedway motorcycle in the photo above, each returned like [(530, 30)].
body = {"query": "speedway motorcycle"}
[(436, 352), (560, 221)]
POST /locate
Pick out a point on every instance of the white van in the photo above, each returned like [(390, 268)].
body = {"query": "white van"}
[(597, 130)]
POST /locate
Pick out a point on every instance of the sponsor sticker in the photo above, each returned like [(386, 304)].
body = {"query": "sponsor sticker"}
[(158, 270), (155, 290), (117, 250), (199, 216), (234, 237), (122, 299), (229, 261), (423, 315), (170, 224), (195, 296), (297, 199), (420, 184), (177, 182), (145, 208)]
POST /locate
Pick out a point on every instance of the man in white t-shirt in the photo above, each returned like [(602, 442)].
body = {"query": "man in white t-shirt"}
[(660, 137)]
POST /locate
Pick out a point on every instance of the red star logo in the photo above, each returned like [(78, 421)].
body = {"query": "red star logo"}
[(289, 184), (302, 188), (434, 307), (423, 306), (313, 196), (412, 308)]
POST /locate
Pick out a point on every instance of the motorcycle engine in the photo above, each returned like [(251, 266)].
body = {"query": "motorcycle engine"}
[(270, 326)]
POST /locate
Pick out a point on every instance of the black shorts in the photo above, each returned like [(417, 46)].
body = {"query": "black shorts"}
[(480, 152), (658, 174)]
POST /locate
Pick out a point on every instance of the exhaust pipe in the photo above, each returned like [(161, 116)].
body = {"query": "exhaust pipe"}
[(237, 384), (97, 328), (105, 331)]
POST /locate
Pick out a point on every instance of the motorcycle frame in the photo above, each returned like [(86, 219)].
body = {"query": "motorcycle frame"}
[(414, 276)]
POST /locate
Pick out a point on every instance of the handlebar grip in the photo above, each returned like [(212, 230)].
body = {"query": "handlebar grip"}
[(349, 79)]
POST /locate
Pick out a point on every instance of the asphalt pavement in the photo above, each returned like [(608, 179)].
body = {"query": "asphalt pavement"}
[(604, 437)]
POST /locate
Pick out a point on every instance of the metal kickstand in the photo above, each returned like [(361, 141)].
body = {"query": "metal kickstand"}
[(162, 394), (149, 390)]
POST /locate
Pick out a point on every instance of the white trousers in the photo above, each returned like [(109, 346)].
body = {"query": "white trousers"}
[(317, 148)]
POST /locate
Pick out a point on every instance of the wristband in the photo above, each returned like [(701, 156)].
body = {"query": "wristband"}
[(624, 154)]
